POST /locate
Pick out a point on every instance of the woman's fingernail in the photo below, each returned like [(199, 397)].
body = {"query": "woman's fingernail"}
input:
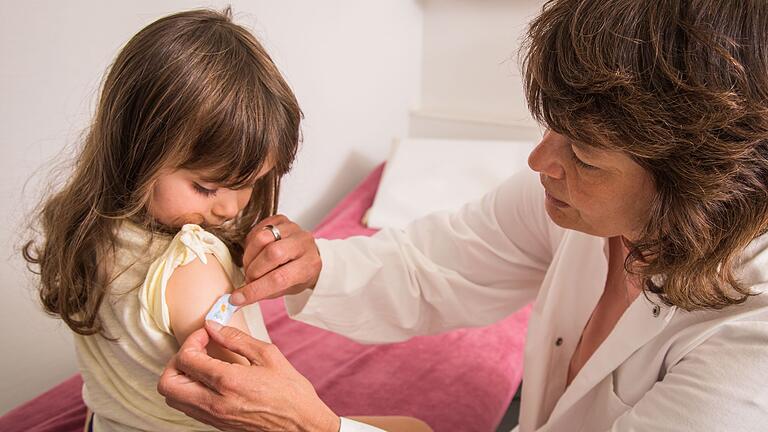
[(213, 325), (237, 299)]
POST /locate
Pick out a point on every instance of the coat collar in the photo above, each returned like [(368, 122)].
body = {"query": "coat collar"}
[(645, 318)]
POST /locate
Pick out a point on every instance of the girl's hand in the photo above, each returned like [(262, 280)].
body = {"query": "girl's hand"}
[(274, 268), (266, 395)]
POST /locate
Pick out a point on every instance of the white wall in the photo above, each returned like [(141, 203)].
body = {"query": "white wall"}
[(354, 66), (471, 81)]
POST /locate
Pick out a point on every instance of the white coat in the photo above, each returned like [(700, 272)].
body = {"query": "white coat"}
[(660, 369)]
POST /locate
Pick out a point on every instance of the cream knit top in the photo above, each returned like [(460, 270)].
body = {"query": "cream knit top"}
[(120, 377)]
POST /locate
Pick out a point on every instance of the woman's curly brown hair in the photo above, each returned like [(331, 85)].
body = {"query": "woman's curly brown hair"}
[(681, 87)]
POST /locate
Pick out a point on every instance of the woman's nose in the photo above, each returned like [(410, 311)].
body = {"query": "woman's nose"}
[(545, 158)]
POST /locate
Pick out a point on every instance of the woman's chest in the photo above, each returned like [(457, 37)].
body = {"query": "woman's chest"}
[(618, 293), (570, 295), (619, 372)]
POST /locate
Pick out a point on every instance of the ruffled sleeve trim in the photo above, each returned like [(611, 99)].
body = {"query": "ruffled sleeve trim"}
[(190, 243)]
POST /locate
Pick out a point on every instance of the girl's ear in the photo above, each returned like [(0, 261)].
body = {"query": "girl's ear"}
[(145, 194)]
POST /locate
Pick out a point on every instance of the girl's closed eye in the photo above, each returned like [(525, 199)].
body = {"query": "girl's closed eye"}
[(203, 190)]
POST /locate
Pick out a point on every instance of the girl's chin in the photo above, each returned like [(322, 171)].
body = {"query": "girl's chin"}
[(193, 218)]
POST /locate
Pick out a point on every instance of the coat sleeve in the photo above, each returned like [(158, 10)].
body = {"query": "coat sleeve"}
[(472, 267), (717, 386)]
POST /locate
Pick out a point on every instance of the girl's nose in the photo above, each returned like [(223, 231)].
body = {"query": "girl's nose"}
[(546, 157), (226, 206)]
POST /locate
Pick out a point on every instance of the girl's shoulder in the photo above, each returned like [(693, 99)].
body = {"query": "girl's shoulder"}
[(135, 244), (192, 244), (189, 243)]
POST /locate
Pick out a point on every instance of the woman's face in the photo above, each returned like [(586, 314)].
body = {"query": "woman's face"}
[(599, 192)]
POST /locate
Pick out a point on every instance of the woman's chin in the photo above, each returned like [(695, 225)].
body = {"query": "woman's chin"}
[(556, 213), (564, 217)]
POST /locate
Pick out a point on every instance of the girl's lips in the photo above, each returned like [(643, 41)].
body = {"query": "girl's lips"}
[(556, 202)]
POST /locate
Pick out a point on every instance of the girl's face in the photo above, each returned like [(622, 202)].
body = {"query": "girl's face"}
[(183, 196), (598, 192)]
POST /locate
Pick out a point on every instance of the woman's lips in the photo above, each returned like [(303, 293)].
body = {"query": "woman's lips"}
[(555, 202)]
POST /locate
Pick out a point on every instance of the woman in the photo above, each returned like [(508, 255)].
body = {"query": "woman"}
[(642, 241)]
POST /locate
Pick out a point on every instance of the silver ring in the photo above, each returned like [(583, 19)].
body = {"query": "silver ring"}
[(274, 230)]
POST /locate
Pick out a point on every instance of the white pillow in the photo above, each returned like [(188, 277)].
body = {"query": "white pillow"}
[(426, 175)]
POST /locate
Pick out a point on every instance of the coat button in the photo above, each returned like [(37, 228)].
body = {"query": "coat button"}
[(559, 341), (656, 310)]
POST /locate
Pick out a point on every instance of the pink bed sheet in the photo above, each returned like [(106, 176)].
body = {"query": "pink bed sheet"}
[(457, 381)]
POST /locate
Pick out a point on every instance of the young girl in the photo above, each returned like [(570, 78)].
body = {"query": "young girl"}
[(194, 128)]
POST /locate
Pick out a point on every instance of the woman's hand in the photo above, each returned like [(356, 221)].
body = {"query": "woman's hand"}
[(274, 268), (267, 395)]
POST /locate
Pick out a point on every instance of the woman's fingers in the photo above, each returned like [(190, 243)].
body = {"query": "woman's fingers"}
[(273, 255), (259, 237), (200, 414), (193, 361), (277, 267), (197, 341), (258, 352), (268, 394), (188, 396), (290, 278), (179, 387)]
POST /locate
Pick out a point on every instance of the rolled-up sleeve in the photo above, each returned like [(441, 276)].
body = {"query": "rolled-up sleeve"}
[(447, 270)]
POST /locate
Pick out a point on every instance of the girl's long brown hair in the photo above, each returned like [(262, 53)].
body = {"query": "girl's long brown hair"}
[(191, 90), (682, 87)]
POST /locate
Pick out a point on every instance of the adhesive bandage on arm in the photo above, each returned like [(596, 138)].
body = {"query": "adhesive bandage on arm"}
[(222, 311)]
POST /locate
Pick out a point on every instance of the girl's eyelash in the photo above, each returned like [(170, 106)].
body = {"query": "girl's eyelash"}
[(203, 191)]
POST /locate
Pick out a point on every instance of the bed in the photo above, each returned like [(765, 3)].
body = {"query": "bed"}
[(457, 381)]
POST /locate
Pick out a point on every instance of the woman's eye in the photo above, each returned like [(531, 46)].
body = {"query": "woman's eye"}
[(203, 191), (581, 163)]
